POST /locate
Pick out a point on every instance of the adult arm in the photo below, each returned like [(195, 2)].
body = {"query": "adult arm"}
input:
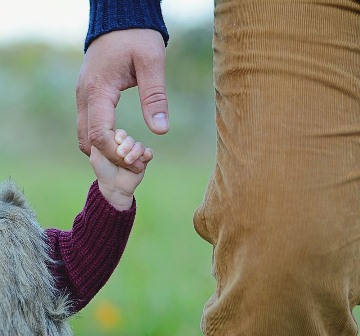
[(86, 256), (125, 47)]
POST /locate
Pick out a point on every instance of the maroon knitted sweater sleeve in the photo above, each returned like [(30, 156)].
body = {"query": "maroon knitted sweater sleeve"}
[(86, 256)]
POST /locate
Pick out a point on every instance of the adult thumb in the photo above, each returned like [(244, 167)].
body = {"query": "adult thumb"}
[(150, 76)]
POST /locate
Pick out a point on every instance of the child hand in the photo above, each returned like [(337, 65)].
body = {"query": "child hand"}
[(118, 184)]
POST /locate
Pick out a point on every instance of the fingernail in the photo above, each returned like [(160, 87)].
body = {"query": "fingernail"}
[(128, 159), (118, 139), (161, 121), (120, 151)]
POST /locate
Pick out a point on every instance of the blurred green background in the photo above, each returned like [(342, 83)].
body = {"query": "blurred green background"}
[(164, 277)]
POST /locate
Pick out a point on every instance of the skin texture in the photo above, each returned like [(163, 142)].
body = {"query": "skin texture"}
[(115, 62), (118, 184)]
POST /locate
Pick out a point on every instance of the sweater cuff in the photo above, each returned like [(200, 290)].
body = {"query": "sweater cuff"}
[(95, 197), (111, 15)]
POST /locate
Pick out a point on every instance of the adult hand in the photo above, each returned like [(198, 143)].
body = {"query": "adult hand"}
[(115, 62)]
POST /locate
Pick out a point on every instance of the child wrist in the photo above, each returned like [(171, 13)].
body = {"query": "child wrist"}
[(119, 199)]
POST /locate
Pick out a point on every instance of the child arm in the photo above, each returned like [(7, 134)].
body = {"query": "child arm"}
[(87, 255), (90, 252)]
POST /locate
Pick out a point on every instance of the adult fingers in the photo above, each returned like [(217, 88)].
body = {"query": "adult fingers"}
[(101, 120), (101, 123), (82, 121), (150, 75)]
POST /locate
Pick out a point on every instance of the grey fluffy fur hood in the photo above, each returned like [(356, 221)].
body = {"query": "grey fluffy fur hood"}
[(29, 302)]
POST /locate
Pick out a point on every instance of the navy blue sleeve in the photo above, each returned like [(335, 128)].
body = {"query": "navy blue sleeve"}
[(110, 15)]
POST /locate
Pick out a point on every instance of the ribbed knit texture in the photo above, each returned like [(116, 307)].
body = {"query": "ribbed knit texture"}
[(89, 253), (110, 15)]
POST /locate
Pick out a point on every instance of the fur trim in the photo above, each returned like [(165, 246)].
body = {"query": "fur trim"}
[(29, 302)]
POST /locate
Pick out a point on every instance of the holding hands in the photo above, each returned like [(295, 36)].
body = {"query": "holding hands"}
[(118, 184), (113, 63)]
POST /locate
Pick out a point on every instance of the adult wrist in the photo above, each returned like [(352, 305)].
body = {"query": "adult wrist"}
[(111, 15)]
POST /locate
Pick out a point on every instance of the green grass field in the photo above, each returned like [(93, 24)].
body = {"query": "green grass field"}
[(164, 277)]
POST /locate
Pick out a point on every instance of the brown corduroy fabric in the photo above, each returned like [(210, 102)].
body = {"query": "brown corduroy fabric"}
[(282, 208)]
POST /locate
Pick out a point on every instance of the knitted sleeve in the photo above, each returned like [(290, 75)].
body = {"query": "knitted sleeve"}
[(86, 256), (110, 15)]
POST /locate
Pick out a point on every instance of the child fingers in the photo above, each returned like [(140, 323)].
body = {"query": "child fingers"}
[(125, 147), (147, 156), (120, 136), (136, 152), (131, 150)]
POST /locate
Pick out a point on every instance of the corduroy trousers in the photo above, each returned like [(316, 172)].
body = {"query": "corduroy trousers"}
[(282, 208)]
